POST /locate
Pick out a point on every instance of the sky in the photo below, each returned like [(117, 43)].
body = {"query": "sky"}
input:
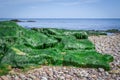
[(59, 8)]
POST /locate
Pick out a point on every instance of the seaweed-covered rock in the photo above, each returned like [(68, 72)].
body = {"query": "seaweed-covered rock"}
[(21, 48), (16, 20), (87, 58), (31, 21), (70, 43)]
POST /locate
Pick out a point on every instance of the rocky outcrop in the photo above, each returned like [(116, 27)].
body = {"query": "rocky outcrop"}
[(16, 20)]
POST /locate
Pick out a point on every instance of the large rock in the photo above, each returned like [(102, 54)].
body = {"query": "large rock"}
[(16, 20)]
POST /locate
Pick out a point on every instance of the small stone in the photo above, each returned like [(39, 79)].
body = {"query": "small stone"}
[(60, 72), (17, 78), (113, 76), (83, 73), (44, 78), (0, 79), (36, 79), (62, 78), (22, 76), (8, 76), (66, 72), (100, 69), (106, 73), (32, 76), (115, 71), (67, 76), (93, 76), (4, 78), (49, 73)]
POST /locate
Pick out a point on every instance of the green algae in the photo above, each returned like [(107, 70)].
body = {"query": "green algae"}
[(21, 48)]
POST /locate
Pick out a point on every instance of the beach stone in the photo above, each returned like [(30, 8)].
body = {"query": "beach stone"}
[(49, 73), (68, 76), (32, 76), (113, 76), (9, 77), (22, 76), (100, 69), (36, 74), (17, 78), (62, 78), (36, 79), (83, 73), (115, 71), (44, 78), (106, 73), (93, 76), (4, 78)]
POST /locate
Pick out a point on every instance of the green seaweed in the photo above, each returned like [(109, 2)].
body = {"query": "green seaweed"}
[(21, 48)]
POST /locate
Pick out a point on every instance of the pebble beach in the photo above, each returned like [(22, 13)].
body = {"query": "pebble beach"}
[(104, 44)]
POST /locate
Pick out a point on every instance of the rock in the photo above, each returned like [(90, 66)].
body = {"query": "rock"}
[(31, 21), (22, 76), (100, 69), (113, 76), (8, 76), (17, 78), (4, 78), (62, 78), (106, 73), (93, 76), (36, 79), (16, 20), (115, 71), (49, 73), (0, 79), (68, 76), (44, 78), (83, 73), (32, 76)]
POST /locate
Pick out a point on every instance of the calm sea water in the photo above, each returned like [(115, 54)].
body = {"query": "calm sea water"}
[(69, 23)]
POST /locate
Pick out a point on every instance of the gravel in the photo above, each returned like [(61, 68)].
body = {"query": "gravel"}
[(104, 45)]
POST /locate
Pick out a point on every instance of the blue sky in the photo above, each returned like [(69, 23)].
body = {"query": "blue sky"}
[(59, 8)]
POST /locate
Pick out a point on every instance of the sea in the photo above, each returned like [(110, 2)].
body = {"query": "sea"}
[(69, 23)]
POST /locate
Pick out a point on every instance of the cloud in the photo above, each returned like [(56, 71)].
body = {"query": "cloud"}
[(46, 1), (75, 2), (11, 2), (91, 1), (7, 3), (69, 3)]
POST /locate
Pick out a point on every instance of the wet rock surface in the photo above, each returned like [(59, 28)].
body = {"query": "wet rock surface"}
[(104, 44)]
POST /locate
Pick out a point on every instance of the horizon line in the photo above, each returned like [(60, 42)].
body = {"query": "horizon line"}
[(58, 18)]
